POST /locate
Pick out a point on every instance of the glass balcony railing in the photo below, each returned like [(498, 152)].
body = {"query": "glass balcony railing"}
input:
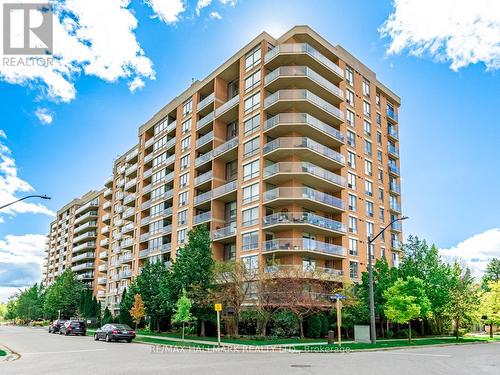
[(393, 169), (227, 105), (304, 167), (202, 218), (207, 176), (225, 189), (219, 150), (392, 132), (393, 150), (205, 139), (205, 120), (303, 118), (302, 142), (303, 244), (303, 71), (202, 198), (391, 114), (206, 101), (205, 158), (303, 48), (224, 232), (395, 206), (303, 193), (304, 218), (394, 187)]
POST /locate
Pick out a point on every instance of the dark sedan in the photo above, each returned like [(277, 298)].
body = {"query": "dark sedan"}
[(56, 325), (73, 327), (114, 332)]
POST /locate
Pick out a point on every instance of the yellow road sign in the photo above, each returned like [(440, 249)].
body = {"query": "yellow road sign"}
[(218, 307)]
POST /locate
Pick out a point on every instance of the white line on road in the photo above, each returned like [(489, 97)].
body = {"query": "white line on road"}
[(66, 351)]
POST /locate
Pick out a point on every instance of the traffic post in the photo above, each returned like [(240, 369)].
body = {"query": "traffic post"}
[(218, 309)]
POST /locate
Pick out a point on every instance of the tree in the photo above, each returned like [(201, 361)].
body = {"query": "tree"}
[(126, 303), (406, 300), (137, 312), (182, 312), (463, 304), (107, 317), (192, 271), (492, 272), (11, 313), (64, 295), (490, 305), (30, 303), (3, 310), (233, 288)]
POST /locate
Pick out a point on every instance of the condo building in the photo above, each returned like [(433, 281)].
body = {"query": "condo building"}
[(288, 152)]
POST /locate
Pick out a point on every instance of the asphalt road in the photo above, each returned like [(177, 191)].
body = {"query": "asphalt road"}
[(44, 353)]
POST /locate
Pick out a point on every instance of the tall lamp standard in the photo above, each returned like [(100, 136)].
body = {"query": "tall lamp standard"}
[(373, 332), (27, 197)]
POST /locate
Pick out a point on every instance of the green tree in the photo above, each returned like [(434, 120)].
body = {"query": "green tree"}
[(464, 299), (3, 310), (490, 305), (11, 313), (107, 317), (492, 272), (182, 312), (192, 271), (64, 296), (126, 303), (30, 303), (406, 300)]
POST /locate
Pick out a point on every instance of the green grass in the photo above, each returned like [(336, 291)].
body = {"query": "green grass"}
[(181, 344), (2, 353), (381, 344)]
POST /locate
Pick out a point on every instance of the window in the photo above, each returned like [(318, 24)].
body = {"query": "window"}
[(184, 162), (369, 188), (366, 108), (349, 75), (250, 126), (369, 208), (251, 170), (351, 159), (230, 211), (380, 194), (160, 127), (381, 213), (349, 97), (159, 160), (353, 270), (252, 81), (251, 193), (353, 246), (232, 130), (251, 263), (368, 148), (155, 227), (252, 58), (379, 138), (250, 241), (252, 103), (181, 236), (377, 100), (352, 199), (368, 168), (351, 180), (156, 210), (184, 180), (379, 156), (187, 107), (251, 147), (183, 198), (380, 175), (157, 193), (368, 128), (351, 138), (182, 217), (350, 118), (185, 143), (369, 229), (353, 224), (395, 259), (232, 170), (366, 87), (250, 216), (159, 143), (229, 251), (186, 126)]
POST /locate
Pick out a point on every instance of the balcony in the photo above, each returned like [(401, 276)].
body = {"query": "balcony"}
[(204, 121), (127, 242), (393, 151), (228, 110), (88, 255), (223, 149), (128, 213), (202, 198), (303, 101), (102, 267), (101, 281), (83, 266), (225, 233), (85, 236), (131, 184), (393, 116), (126, 274), (304, 172), (106, 205), (392, 133), (305, 78), (303, 245), (86, 206), (103, 255), (205, 102), (126, 258), (395, 207), (304, 221), (305, 124), (130, 169), (303, 54), (105, 218), (304, 148), (105, 229), (205, 140), (87, 225), (396, 227), (203, 178), (127, 228), (88, 216), (109, 182), (108, 192), (321, 273), (132, 155), (395, 188), (316, 200), (85, 276), (224, 192), (393, 169), (202, 218)]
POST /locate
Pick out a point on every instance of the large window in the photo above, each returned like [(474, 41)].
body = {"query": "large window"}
[(184, 161), (369, 188), (351, 159), (352, 202), (353, 270), (251, 147), (252, 58), (366, 108), (251, 170), (184, 180), (369, 209), (353, 224), (185, 143), (182, 217), (349, 97), (186, 126), (366, 87), (353, 246), (351, 138), (351, 180), (250, 216), (251, 193), (349, 75), (252, 81), (183, 198), (251, 125), (252, 103), (368, 168), (368, 148), (251, 263), (250, 241), (368, 128), (350, 118), (187, 107), (181, 236)]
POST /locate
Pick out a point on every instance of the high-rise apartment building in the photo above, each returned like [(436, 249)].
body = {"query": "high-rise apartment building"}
[(288, 151)]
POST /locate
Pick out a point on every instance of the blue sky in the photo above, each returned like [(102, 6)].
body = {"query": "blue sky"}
[(449, 119)]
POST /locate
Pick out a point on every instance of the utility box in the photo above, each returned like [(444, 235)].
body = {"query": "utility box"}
[(362, 334), (331, 337)]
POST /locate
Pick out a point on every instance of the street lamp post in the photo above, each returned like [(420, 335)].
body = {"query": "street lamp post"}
[(21, 199), (373, 332)]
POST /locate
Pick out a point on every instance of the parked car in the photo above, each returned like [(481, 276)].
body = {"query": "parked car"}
[(55, 326), (73, 327), (114, 332)]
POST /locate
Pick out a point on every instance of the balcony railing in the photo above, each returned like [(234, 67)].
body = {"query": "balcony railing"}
[(205, 120), (303, 118), (227, 105), (88, 255), (93, 203), (204, 197), (202, 218), (205, 139), (206, 101), (219, 150), (393, 150), (303, 244), (395, 206), (302, 142), (132, 155), (304, 167), (224, 232), (391, 114), (83, 266), (392, 132), (304, 218), (225, 189), (394, 187), (393, 169), (207, 176), (303, 193)]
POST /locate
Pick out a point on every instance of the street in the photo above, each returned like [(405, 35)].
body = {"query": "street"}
[(44, 353)]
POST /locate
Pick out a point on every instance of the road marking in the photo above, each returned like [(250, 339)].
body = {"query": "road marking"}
[(419, 354), (66, 351)]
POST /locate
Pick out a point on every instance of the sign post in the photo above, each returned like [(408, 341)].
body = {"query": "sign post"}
[(218, 309), (337, 297)]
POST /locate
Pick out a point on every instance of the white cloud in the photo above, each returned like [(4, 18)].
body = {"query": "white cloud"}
[(167, 11), (215, 15), (136, 84), (460, 32), (11, 184), (44, 115), (92, 37), (476, 251), (229, 2), (202, 4)]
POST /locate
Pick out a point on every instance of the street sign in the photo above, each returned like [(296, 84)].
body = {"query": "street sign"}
[(218, 307), (339, 296)]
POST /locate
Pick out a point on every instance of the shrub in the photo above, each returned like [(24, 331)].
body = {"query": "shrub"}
[(284, 324), (325, 324), (403, 333), (389, 334), (248, 322), (313, 326)]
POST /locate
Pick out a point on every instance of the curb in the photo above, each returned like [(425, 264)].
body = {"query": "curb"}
[(11, 355)]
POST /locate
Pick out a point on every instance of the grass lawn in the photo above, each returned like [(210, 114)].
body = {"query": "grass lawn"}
[(396, 343), (2, 353), (173, 343)]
